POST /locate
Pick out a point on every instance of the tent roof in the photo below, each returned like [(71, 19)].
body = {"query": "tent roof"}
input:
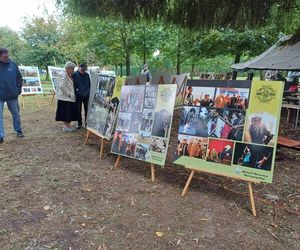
[(277, 57)]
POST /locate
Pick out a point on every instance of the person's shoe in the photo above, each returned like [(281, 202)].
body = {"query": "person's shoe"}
[(1, 140), (20, 134), (79, 127), (66, 129)]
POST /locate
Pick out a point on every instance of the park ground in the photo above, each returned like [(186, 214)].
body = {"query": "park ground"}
[(56, 193)]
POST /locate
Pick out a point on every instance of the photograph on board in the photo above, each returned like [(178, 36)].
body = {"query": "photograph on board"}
[(151, 91), (132, 98), (142, 151), (199, 96), (159, 145), (135, 123), (236, 98), (220, 151), (260, 128), (124, 120), (253, 156), (97, 118), (188, 120), (191, 146), (124, 143)]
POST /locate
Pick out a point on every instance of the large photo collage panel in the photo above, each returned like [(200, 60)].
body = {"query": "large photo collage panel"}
[(213, 126), (102, 114), (144, 122)]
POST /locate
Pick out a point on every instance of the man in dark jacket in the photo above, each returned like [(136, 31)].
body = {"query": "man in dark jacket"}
[(82, 85), (10, 89)]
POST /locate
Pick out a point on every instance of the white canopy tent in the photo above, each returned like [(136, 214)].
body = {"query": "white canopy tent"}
[(277, 57)]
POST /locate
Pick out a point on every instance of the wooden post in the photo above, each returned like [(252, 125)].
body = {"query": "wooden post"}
[(117, 161), (152, 172), (252, 201), (186, 187), (23, 102), (37, 101), (88, 134), (101, 148), (53, 95)]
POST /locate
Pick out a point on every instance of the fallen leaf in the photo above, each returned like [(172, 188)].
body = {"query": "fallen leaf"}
[(46, 207), (88, 189), (83, 224), (159, 234)]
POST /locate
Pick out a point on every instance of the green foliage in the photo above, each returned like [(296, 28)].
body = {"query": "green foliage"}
[(204, 14), (41, 40), (11, 40)]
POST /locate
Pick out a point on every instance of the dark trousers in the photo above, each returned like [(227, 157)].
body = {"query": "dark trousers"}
[(85, 103)]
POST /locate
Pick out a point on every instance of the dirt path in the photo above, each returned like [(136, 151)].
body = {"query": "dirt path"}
[(95, 206)]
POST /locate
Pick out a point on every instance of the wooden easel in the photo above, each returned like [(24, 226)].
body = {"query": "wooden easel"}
[(89, 134), (35, 97), (117, 163), (252, 201)]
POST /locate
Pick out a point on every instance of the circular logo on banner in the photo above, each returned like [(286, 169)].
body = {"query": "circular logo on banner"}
[(265, 94)]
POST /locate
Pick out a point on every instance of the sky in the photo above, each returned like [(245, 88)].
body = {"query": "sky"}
[(12, 11)]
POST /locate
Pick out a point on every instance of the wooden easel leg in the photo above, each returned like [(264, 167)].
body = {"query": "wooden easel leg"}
[(186, 187), (53, 95), (23, 102), (101, 148), (37, 101), (88, 134), (117, 161), (252, 201), (152, 172)]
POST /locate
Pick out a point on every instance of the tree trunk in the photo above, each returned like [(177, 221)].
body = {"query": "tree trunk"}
[(121, 68), (178, 64), (193, 70), (127, 62), (47, 74), (236, 60)]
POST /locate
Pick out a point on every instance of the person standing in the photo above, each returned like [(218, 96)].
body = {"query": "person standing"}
[(146, 72), (10, 88), (65, 94), (82, 84)]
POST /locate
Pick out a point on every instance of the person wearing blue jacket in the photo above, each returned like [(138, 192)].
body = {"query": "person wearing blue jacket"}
[(82, 85), (10, 88)]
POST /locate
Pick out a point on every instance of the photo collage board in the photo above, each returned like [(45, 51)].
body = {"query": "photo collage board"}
[(54, 73), (31, 80), (230, 128), (104, 106), (144, 122)]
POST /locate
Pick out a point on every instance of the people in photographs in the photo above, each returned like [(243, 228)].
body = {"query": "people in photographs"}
[(182, 147), (226, 154), (213, 155), (189, 96), (206, 101), (162, 123), (262, 161), (117, 142), (245, 157), (220, 101), (158, 145), (258, 132)]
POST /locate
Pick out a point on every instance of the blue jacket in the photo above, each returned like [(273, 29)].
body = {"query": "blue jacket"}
[(82, 85), (10, 81)]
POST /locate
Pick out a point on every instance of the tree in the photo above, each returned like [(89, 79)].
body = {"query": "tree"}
[(41, 37), (205, 14), (11, 40)]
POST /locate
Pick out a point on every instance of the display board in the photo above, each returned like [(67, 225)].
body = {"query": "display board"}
[(144, 122), (31, 80), (54, 73), (102, 113), (230, 128)]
